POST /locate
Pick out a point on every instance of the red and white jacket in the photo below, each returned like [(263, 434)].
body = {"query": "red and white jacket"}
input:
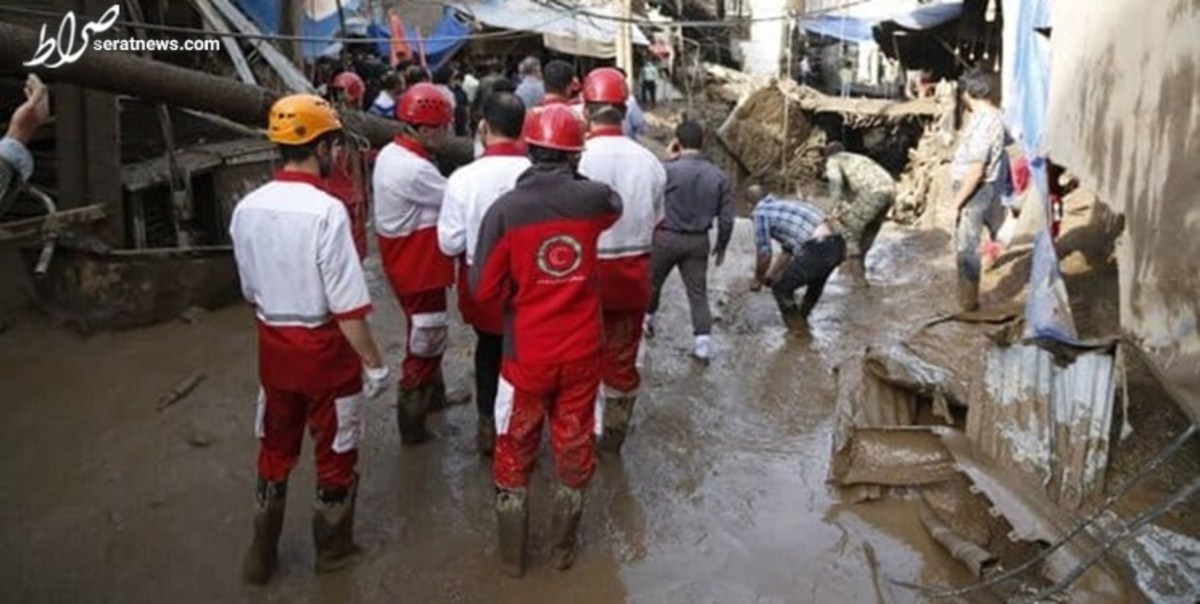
[(638, 177), (470, 191), (537, 253), (299, 269), (408, 192)]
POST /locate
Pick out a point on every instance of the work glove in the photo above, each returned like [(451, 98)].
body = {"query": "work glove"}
[(376, 380)]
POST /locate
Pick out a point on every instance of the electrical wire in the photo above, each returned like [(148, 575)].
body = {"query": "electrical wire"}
[(730, 22), (1164, 454)]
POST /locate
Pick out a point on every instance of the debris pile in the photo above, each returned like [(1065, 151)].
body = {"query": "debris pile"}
[(927, 177)]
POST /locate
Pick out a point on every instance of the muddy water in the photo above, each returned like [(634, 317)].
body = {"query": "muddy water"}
[(720, 495)]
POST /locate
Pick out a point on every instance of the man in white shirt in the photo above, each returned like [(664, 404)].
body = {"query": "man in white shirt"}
[(639, 178), (408, 197), (299, 269), (470, 191)]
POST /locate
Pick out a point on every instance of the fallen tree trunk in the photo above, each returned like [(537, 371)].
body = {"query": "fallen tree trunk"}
[(160, 82)]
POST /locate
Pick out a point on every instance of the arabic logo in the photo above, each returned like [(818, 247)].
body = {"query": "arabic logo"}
[(67, 46)]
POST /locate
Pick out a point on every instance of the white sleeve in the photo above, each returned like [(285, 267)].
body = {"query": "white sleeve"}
[(427, 186), (342, 275), (243, 276), (452, 227)]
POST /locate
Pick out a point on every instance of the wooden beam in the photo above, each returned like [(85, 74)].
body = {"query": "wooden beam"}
[(292, 77), (34, 229), (213, 19)]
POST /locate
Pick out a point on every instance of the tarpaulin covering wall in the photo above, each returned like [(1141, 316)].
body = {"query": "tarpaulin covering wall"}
[(1025, 80), (854, 23), (1124, 116), (562, 30)]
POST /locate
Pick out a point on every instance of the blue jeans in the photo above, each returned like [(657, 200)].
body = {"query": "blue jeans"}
[(982, 209)]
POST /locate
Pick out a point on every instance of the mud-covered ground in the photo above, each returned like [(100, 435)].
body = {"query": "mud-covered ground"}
[(720, 495)]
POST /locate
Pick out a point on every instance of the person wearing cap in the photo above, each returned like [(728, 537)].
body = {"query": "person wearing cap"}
[(408, 198), (639, 178), (975, 172), (537, 254), (298, 269), (811, 247), (864, 192), (470, 191), (16, 162), (697, 194)]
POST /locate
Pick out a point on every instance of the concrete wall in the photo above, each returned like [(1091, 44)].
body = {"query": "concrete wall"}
[(1124, 116)]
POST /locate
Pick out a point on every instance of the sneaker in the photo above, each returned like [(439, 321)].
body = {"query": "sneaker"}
[(648, 326), (703, 349)]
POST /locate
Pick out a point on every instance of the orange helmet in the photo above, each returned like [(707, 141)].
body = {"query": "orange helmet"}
[(299, 119)]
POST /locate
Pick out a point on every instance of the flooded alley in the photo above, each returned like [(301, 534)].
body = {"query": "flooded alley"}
[(719, 496)]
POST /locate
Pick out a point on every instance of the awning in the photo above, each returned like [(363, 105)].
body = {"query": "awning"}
[(590, 32), (854, 23)]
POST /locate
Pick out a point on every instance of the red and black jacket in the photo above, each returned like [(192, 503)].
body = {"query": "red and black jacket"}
[(537, 252)]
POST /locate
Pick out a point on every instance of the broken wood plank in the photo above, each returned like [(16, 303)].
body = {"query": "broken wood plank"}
[(213, 19), (291, 75), (33, 229)]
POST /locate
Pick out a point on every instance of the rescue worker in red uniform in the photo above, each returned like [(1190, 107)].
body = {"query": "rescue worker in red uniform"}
[(640, 179), (408, 197), (298, 269), (349, 180), (471, 190), (537, 252)]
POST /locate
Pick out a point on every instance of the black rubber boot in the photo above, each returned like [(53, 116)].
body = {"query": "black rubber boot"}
[(618, 413), (512, 522), (412, 406), (263, 556), (564, 525), (485, 435), (333, 529)]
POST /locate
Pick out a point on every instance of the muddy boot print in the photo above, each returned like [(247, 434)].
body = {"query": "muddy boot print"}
[(263, 555)]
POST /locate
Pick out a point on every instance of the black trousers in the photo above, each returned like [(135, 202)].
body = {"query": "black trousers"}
[(488, 350), (810, 268)]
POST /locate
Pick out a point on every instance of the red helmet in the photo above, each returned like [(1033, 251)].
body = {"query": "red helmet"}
[(605, 85), (352, 87), (424, 105), (554, 127)]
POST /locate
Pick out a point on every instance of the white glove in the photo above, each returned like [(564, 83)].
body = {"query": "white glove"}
[(376, 380)]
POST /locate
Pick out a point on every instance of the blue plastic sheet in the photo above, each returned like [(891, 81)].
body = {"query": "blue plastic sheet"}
[(854, 23)]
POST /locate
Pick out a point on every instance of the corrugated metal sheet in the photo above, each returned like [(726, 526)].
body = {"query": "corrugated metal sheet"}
[(1049, 421)]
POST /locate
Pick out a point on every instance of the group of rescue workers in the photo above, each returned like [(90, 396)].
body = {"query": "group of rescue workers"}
[(558, 238)]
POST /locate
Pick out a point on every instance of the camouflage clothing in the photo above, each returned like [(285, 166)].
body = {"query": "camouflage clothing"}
[(864, 192)]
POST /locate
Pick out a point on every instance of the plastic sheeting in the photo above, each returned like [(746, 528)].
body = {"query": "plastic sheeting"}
[(323, 21), (854, 23), (562, 30)]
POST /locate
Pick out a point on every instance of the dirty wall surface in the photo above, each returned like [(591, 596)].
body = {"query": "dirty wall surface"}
[(720, 495), (1124, 116)]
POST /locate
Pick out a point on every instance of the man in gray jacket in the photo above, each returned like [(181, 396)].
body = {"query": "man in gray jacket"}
[(16, 163), (697, 193)]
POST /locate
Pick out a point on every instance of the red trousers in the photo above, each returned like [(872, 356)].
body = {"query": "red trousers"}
[(334, 419), (622, 336), (528, 394), (425, 314)]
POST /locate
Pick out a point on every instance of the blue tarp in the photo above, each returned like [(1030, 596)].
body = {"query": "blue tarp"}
[(854, 23), (1026, 86), (447, 36)]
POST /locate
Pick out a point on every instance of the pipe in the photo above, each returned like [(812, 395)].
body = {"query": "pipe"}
[(161, 82), (51, 238)]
